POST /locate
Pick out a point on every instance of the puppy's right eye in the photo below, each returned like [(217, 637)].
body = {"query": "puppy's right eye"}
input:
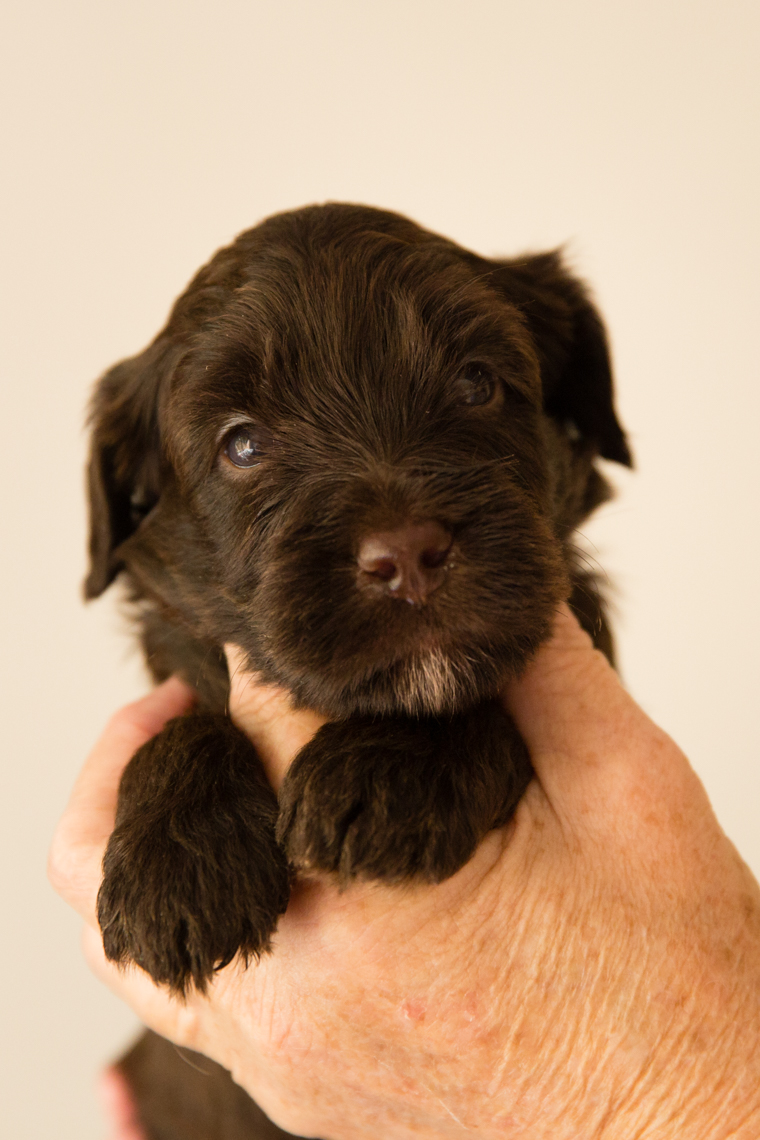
[(477, 387), (246, 445)]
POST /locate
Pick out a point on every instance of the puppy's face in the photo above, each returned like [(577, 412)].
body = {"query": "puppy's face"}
[(347, 466)]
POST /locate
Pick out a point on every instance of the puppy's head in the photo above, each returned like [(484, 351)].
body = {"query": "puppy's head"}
[(356, 450)]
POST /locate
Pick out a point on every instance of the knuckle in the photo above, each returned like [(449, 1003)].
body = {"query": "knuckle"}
[(128, 725), (124, 719), (68, 868), (188, 1028), (63, 867)]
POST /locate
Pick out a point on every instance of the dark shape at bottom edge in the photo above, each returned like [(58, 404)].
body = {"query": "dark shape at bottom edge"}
[(182, 1095)]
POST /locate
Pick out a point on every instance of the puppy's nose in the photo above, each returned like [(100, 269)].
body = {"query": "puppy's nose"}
[(407, 563)]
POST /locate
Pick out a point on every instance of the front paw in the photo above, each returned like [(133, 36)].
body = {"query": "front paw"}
[(192, 874), (401, 799)]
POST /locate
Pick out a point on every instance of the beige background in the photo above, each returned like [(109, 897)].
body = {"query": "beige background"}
[(140, 135)]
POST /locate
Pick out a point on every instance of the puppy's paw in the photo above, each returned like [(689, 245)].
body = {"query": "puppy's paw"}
[(192, 872), (401, 799)]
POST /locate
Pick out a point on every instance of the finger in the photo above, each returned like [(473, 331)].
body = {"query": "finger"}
[(74, 865), (172, 1017), (582, 728), (265, 714)]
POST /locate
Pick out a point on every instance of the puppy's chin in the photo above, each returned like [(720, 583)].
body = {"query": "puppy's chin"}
[(432, 681)]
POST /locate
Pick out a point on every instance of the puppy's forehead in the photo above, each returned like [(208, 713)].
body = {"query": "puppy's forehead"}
[(371, 318)]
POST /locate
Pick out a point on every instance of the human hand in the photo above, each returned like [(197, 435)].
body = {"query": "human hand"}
[(594, 971)]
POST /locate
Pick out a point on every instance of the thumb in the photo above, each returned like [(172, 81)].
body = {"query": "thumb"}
[(584, 732)]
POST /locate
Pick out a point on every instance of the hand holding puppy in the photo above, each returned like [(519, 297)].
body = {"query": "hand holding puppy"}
[(593, 971)]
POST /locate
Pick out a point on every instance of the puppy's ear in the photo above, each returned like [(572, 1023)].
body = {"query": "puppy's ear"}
[(572, 348), (124, 474)]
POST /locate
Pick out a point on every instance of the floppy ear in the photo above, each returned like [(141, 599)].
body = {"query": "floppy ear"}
[(572, 348), (124, 474)]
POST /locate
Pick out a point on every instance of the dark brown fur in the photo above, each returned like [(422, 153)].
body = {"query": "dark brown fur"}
[(347, 336), (184, 1096)]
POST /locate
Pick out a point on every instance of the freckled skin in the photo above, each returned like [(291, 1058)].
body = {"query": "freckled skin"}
[(594, 944), (414, 1010)]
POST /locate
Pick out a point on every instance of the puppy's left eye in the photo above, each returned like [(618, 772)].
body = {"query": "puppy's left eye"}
[(246, 445), (476, 386)]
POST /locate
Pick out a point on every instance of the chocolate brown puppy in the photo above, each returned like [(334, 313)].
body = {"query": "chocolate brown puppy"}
[(359, 452)]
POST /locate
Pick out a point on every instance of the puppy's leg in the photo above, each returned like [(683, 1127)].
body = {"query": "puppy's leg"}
[(192, 871), (181, 1095), (395, 799)]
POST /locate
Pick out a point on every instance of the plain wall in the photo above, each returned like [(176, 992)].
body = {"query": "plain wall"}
[(139, 136)]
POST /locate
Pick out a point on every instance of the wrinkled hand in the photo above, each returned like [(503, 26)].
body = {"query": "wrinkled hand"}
[(593, 972)]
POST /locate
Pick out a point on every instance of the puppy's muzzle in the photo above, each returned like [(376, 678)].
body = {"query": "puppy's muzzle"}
[(408, 563)]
